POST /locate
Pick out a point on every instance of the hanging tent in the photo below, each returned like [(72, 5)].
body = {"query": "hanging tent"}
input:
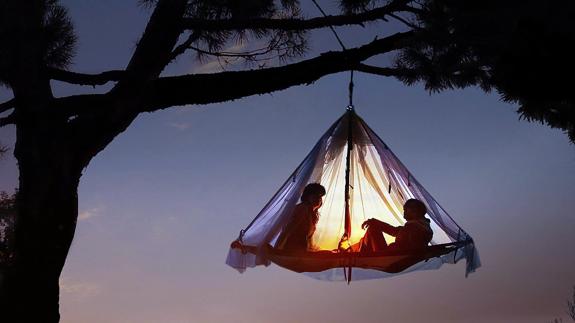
[(363, 180)]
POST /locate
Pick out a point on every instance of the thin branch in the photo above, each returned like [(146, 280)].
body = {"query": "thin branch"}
[(245, 54), (218, 87), (180, 49), (5, 106), (283, 47), (86, 79), (405, 22), (293, 24), (384, 71), (10, 119)]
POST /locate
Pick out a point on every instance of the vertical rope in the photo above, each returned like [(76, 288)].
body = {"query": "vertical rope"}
[(330, 26), (347, 171), (351, 85)]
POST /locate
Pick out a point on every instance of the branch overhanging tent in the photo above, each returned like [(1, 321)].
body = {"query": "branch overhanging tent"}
[(363, 179)]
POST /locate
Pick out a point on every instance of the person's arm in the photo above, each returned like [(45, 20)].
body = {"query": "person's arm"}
[(378, 225), (389, 229)]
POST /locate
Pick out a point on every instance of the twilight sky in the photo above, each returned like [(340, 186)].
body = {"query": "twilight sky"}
[(160, 205)]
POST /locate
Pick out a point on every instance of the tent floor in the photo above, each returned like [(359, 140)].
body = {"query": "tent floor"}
[(390, 261)]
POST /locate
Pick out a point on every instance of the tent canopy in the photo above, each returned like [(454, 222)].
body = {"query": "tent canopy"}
[(351, 157)]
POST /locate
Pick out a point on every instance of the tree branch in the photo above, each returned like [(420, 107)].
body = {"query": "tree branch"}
[(294, 24), (219, 87), (154, 50), (86, 79), (10, 119), (384, 71), (244, 54), (5, 106), (404, 21), (180, 49), (83, 104), (100, 118)]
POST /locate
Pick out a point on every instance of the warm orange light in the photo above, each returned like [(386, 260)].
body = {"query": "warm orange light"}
[(369, 198)]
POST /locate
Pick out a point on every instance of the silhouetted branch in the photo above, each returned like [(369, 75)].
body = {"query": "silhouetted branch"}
[(86, 79), (83, 104), (10, 119), (98, 119), (225, 86), (295, 24), (404, 21), (5, 106), (384, 71), (154, 50), (242, 54), (180, 49)]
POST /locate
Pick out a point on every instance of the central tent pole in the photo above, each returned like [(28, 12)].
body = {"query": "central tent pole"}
[(347, 223), (351, 115)]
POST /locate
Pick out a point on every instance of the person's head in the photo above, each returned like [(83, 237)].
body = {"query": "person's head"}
[(312, 195), (414, 209)]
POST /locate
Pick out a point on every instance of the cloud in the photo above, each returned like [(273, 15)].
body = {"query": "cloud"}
[(182, 126), (90, 213), (164, 229), (79, 290)]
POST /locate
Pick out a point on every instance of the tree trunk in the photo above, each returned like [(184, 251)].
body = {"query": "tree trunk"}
[(47, 213)]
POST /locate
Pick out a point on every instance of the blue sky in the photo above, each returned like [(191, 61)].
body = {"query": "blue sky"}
[(159, 206)]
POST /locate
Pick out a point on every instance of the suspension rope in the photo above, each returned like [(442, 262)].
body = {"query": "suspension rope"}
[(351, 84), (330, 26)]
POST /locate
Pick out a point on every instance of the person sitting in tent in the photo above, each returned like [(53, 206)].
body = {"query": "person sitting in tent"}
[(297, 234), (415, 234)]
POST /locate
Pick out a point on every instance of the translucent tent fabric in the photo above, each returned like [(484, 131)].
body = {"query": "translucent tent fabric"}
[(379, 184)]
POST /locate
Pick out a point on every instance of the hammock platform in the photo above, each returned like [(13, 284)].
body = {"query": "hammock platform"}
[(389, 261)]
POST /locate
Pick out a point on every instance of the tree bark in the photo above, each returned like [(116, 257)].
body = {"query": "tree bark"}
[(47, 212), (47, 200)]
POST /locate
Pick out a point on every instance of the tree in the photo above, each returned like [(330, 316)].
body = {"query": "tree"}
[(444, 44), (7, 217), (570, 309), (571, 306)]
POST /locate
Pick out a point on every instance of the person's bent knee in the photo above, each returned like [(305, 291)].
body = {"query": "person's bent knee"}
[(372, 230)]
